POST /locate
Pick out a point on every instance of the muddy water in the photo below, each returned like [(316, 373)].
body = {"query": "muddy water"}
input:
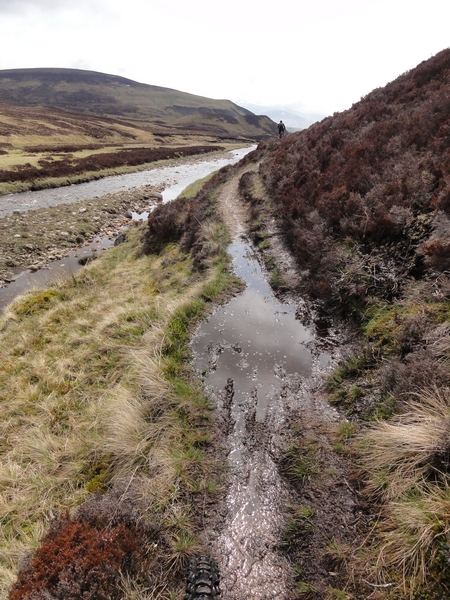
[(245, 352), (176, 179)]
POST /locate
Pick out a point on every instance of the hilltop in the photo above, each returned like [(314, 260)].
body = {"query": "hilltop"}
[(62, 126), (162, 110)]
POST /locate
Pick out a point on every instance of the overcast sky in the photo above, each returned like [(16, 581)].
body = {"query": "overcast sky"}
[(313, 55)]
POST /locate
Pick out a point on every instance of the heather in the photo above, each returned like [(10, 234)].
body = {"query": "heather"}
[(66, 165), (363, 201), (375, 178)]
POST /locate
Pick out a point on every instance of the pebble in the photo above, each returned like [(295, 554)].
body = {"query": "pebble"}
[(51, 243)]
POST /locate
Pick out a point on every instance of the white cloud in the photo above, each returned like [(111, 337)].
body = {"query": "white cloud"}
[(322, 55), (24, 6)]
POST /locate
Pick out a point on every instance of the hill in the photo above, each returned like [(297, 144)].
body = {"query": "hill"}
[(161, 109), (363, 201), (375, 174)]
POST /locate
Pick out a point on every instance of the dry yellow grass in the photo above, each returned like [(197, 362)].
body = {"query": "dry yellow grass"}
[(405, 462), (398, 454), (86, 399)]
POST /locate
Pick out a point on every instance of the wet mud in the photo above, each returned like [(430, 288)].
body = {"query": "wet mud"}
[(252, 353)]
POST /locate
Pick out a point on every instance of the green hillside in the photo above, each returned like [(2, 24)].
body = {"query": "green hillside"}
[(95, 93)]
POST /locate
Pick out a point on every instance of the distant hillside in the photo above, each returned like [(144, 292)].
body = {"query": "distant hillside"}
[(294, 121), (112, 96)]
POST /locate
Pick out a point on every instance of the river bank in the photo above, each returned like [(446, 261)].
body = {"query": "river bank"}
[(38, 228), (33, 239), (95, 398)]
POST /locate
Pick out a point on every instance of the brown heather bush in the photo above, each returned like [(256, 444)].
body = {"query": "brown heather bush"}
[(87, 555), (78, 560), (62, 148), (370, 174), (181, 220)]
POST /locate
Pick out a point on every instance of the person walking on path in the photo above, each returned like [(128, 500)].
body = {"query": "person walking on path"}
[(281, 129)]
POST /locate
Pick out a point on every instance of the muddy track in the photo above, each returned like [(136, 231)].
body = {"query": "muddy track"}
[(260, 416)]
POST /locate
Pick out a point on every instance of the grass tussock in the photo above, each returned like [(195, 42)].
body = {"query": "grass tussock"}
[(405, 463), (97, 398)]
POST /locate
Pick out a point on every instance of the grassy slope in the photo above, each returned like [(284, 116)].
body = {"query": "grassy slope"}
[(96, 395), (159, 109)]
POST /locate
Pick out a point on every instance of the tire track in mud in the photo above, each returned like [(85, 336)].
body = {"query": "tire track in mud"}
[(247, 352)]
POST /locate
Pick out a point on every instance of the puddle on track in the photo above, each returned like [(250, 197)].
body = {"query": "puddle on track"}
[(245, 351)]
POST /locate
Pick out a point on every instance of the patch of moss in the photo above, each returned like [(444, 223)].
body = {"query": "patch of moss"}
[(35, 302)]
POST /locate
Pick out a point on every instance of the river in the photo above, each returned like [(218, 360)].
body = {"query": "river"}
[(176, 178)]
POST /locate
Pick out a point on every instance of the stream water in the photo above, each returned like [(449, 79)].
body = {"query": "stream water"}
[(176, 178), (246, 351)]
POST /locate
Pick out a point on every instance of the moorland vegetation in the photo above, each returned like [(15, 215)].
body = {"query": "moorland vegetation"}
[(106, 433), (363, 200)]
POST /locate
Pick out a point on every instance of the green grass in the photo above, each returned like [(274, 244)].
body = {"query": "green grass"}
[(352, 367), (301, 462), (192, 189)]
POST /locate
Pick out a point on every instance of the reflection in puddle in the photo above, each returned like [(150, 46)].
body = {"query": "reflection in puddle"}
[(245, 351), (258, 337)]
